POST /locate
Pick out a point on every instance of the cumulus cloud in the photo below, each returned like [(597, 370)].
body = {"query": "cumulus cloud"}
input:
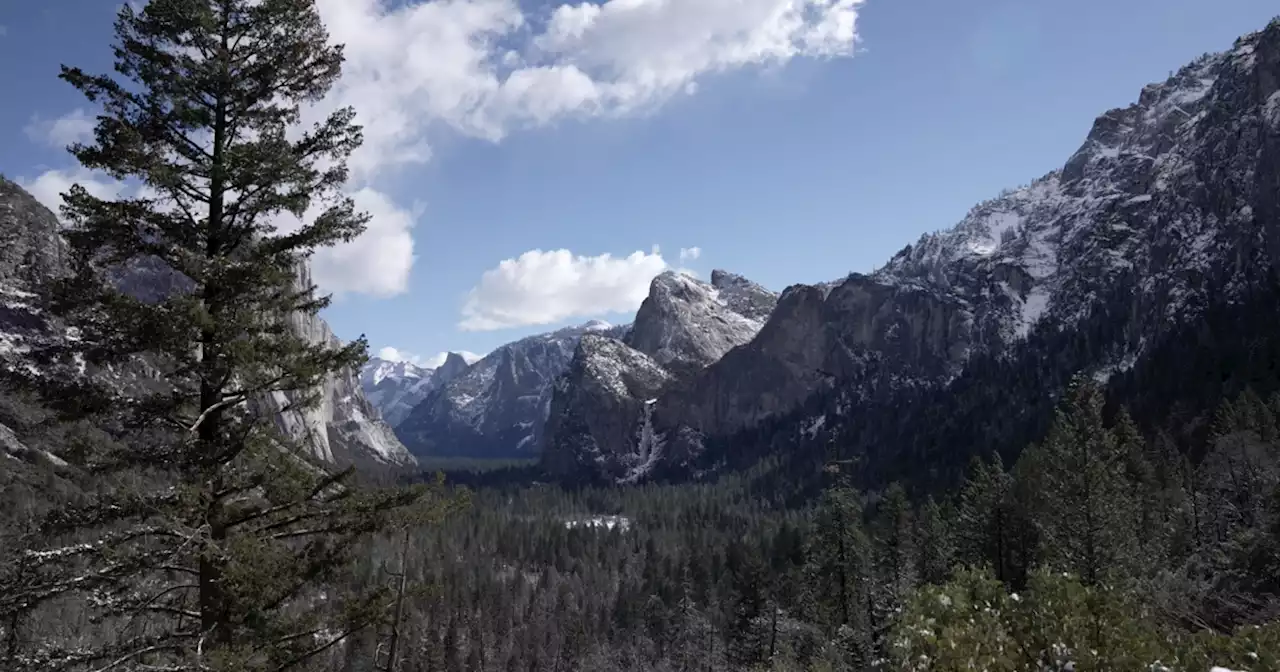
[(396, 355), (486, 68), (72, 127), (690, 253), (544, 287)]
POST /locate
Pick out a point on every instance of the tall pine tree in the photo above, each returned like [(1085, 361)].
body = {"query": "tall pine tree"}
[(1089, 515), (210, 540)]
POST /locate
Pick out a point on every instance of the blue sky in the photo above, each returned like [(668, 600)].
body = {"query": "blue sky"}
[(774, 143)]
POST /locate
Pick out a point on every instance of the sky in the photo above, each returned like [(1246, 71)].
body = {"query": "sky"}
[(529, 166)]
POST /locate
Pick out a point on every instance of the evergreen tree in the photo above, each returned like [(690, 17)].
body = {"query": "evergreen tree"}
[(983, 526), (934, 539), (210, 540), (839, 573), (1088, 518)]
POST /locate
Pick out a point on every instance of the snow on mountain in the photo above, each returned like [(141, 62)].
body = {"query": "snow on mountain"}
[(394, 388), (601, 401), (498, 407), (377, 370), (686, 324), (1168, 206), (607, 398)]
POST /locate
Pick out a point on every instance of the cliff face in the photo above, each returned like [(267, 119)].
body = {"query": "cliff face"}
[(603, 409), (343, 428), (605, 400)]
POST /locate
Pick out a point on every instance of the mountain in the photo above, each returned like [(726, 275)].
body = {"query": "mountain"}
[(1169, 210), (497, 407), (686, 324), (602, 409), (394, 388), (343, 428)]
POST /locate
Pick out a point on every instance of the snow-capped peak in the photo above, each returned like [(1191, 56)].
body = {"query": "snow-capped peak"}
[(377, 370)]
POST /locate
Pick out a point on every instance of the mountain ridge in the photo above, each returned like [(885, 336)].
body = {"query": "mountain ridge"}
[(1168, 207)]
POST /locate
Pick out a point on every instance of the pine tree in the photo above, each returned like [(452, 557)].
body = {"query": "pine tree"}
[(935, 544), (896, 546), (839, 572), (1088, 516), (983, 526), (210, 541)]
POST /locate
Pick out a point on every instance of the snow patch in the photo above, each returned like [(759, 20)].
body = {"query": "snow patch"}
[(811, 429), (1033, 308), (622, 523), (1271, 110)]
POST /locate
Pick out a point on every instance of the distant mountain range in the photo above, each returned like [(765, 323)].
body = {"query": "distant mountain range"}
[(396, 387)]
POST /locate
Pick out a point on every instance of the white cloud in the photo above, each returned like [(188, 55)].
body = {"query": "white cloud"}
[(485, 68), (690, 253), (544, 287), (396, 355), (72, 127)]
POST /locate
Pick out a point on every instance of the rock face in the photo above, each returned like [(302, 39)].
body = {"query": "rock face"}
[(605, 400), (685, 324), (394, 388), (1170, 206), (343, 428), (499, 405), (603, 409)]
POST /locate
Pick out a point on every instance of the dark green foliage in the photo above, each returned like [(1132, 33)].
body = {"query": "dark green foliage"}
[(1088, 515), (724, 576)]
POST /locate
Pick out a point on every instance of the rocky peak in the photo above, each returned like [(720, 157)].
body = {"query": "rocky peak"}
[(685, 324), (603, 401), (377, 370), (743, 296), (30, 245), (497, 407), (454, 365)]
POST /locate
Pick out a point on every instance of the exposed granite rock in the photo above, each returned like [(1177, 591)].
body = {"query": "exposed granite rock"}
[(604, 400)]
